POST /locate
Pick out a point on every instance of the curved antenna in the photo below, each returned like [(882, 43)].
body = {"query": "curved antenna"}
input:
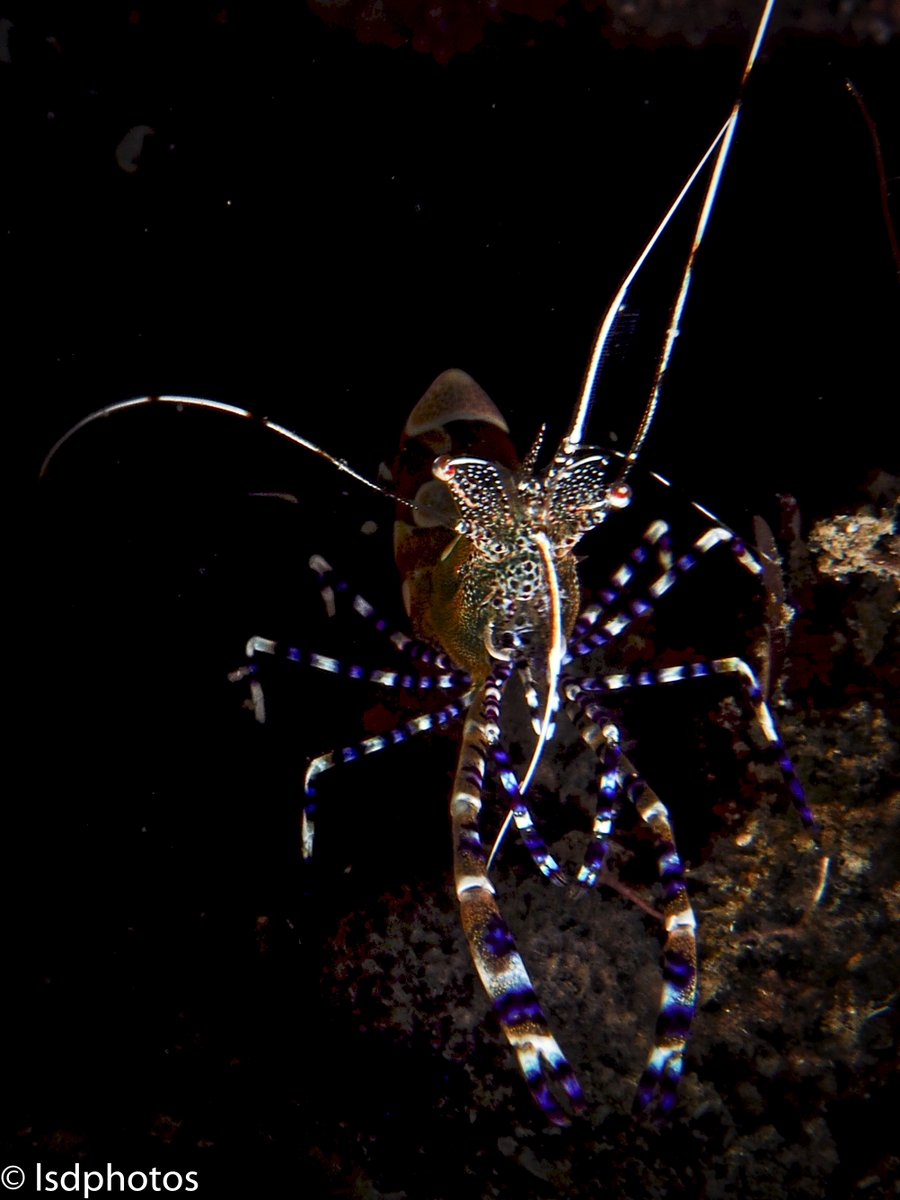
[(232, 410), (574, 436), (722, 141), (879, 167), (709, 200)]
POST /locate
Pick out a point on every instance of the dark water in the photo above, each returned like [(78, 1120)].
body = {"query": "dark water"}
[(316, 229)]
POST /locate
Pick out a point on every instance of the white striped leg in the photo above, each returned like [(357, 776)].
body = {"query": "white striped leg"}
[(371, 745), (698, 670), (417, 681), (601, 736), (332, 588), (658, 1084), (521, 814), (602, 631), (518, 809), (655, 537), (533, 700), (491, 943)]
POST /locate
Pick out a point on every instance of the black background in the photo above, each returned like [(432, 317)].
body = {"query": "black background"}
[(318, 227)]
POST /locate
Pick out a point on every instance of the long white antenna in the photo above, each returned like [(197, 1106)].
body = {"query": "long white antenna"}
[(574, 436), (722, 140), (232, 410), (702, 222)]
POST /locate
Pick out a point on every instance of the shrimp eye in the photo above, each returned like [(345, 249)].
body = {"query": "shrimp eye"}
[(620, 495), (443, 468)]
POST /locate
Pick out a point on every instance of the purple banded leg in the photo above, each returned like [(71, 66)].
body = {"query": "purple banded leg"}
[(533, 701), (655, 537), (601, 736), (659, 1081), (385, 677), (753, 692), (518, 809), (603, 626), (658, 1084), (414, 681), (254, 646), (697, 670), (362, 749), (491, 943), (521, 814), (332, 589)]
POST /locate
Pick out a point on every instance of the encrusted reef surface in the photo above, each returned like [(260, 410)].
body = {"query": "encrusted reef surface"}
[(790, 1080), (443, 30)]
